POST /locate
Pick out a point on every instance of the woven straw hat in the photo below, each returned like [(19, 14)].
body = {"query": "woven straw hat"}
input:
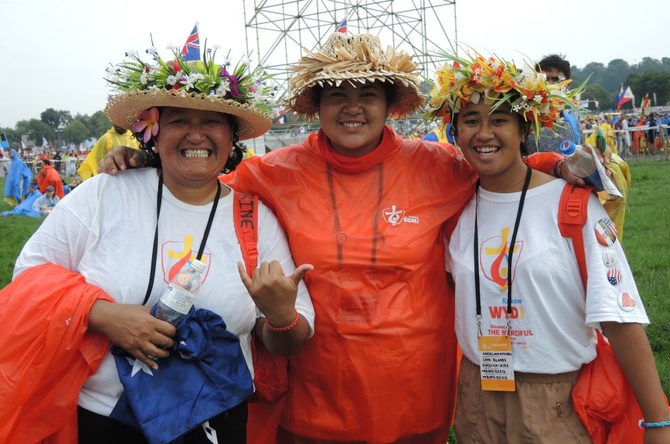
[(357, 59), (124, 109)]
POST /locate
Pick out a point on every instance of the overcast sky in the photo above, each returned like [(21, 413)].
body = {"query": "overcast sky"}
[(54, 52)]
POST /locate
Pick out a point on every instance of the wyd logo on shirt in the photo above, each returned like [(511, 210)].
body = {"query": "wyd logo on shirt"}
[(395, 217), (176, 254), (494, 258)]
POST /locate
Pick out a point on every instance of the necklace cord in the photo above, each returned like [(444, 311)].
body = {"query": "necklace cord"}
[(509, 255), (203, 242)]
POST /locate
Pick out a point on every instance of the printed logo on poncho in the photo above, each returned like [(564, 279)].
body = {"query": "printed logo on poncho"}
[(395, 217)]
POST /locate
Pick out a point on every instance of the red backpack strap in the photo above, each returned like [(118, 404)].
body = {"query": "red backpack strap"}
[(270, 370), (245, 217), (572, 211)]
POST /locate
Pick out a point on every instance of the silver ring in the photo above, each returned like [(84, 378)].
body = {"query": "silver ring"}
[(153, 358)]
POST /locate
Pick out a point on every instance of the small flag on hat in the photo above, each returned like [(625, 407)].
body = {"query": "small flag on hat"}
[(191, 49), (342, 27)]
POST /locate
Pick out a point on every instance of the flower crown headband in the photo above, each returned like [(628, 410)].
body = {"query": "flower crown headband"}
[(473, 78), (243, 89)]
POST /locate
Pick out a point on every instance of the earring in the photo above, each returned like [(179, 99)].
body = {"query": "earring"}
[(232, 154)]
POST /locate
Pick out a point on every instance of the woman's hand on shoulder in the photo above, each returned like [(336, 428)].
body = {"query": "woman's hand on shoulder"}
[(122, 158)]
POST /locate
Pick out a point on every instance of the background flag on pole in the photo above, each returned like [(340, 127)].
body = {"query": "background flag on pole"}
[(645, 102), (627, 96), (619, 96), (191, 49), (342, 27)]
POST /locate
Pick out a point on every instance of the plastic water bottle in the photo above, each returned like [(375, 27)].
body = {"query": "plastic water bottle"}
[(582, 163), (179, 296)]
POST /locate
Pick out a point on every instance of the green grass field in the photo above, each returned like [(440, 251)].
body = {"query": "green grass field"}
[(646, 242)]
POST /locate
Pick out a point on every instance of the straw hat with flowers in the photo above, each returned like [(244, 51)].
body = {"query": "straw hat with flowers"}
[(143, 87)]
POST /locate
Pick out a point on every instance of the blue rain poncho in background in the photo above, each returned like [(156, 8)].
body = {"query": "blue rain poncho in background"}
[(18, 178), (25, 208)]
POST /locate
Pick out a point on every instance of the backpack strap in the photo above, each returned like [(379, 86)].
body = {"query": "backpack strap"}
[(245, 219), (270, 370), (572, 211)]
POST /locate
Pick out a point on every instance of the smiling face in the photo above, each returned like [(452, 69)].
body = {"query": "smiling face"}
[(194, 146), (491, 142), (353, 118)]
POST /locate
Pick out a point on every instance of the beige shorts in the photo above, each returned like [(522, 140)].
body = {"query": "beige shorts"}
[(538, 412)]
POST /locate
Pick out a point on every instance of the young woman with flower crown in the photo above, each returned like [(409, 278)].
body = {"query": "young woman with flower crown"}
[(127, 236), (524, 322), (367, 208)]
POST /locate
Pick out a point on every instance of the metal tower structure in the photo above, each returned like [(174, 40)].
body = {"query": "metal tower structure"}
[(276, 31)]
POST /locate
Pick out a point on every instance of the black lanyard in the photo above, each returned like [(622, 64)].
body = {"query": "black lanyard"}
[(376, 236), (509, 256), (201, 250)]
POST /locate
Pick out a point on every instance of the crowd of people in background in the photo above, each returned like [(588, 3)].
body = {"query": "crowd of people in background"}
[(65, 162), (631, 134)]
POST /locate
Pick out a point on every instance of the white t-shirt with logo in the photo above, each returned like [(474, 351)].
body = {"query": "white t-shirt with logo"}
[(104, 230), (552, 319)]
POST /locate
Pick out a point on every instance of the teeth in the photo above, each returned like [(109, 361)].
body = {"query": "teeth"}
[(486, 150), (195, 153), (352, 124)]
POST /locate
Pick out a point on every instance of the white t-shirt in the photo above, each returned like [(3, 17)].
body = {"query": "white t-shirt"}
[(552, 320), (104, 230)]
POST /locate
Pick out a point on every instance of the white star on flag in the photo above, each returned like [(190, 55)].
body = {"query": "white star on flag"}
[(137, 366)]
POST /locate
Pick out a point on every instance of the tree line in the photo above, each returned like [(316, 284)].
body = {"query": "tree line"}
[(58, 127), (649, 76)]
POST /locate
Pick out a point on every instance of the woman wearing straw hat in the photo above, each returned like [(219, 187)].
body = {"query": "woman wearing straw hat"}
[(368, 209), (129, 235), (523, 392)]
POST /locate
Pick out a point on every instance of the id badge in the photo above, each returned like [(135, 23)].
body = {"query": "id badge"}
[(497, 369)]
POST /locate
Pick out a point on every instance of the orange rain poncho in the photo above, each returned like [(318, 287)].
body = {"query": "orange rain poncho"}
[(46, 353), (381, 364)]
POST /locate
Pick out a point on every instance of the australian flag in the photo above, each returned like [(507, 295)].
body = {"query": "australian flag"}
[(342, 27), (204, 376), (191, 49)]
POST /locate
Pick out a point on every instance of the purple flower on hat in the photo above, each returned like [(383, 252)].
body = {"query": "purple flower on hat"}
[(148, 122), (233, 82)]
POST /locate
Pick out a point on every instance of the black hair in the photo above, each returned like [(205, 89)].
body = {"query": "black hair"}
[(557, 62), (236, 155)]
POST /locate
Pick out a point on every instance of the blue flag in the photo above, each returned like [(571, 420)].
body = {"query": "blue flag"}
[(204, 376), (191, 49)]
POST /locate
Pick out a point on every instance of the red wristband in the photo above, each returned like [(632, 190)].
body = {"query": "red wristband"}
[(559, 169), (286, 328)]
